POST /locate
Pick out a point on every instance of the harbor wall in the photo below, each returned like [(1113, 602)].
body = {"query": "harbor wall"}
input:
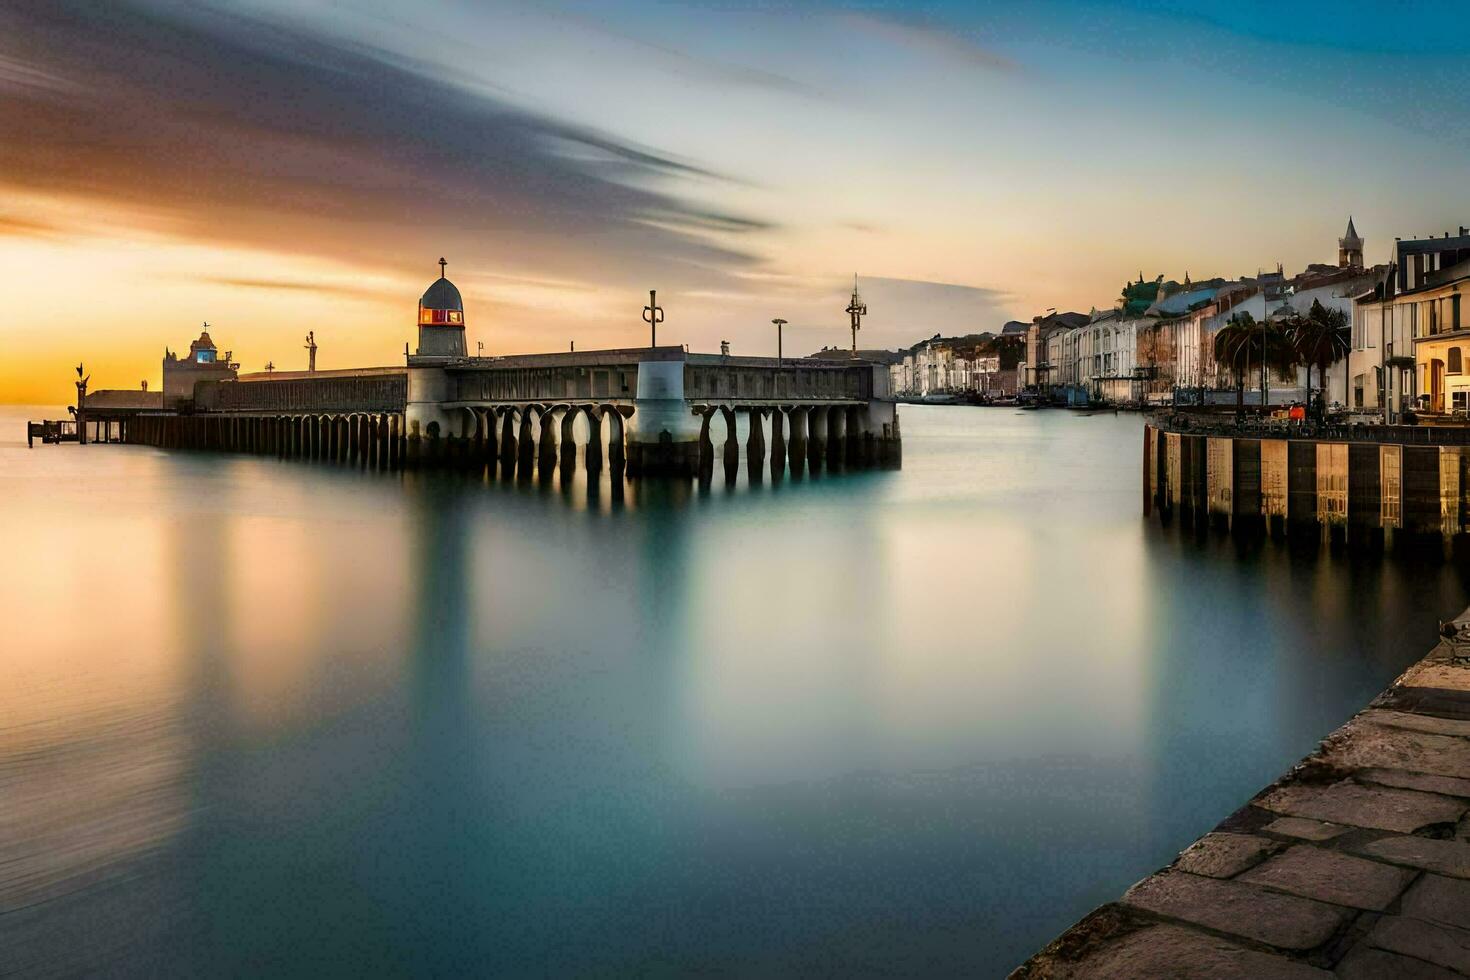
[(1362, 488)]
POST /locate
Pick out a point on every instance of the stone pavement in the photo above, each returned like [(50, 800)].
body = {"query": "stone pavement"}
[(1354, 864)]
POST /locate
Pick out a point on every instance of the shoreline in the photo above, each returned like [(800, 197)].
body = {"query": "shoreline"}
[(1357, 860)]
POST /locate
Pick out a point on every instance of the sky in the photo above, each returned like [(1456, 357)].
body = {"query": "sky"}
[(278, 166)]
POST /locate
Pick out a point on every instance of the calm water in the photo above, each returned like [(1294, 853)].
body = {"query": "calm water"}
[(274, 717)]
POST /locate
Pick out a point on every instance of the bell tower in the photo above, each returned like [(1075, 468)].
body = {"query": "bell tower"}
[(1350, 248), (441, 319)]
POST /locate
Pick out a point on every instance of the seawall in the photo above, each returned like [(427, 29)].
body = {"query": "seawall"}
[(1362, 486), (1356, 863)]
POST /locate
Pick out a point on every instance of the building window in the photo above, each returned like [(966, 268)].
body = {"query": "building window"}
[(1454, 361), (1460, 400), (1455, 321)]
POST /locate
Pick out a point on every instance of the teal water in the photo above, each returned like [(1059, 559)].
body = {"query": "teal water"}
[(269, 717)]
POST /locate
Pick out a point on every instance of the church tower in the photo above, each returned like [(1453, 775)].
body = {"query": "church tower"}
[(1350, 248), (441, 319)]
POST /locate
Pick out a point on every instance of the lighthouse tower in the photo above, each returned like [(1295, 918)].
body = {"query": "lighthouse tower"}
[(441, 319)]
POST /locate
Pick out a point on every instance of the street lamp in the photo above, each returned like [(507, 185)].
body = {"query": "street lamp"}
[(779, 324)]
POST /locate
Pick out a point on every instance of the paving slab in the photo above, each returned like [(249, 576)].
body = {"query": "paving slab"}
[(1380, 808), (1416, 722), (1441, 945), (1224, 855), (1439, 899), (1447, 857), (1304, 828), (1438, 674), (1398, 778), (1361, 745), (1238, 909), (1329, 876), (1365, 963), (1176, 952)]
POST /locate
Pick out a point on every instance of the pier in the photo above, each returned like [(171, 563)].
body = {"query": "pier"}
[(646, 411), (1354, 864)]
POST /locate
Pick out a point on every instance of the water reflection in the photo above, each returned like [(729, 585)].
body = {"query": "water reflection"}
[(276, 717)]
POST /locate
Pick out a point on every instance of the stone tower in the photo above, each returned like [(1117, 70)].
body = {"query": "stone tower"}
[(441, 319), (1350, 248)]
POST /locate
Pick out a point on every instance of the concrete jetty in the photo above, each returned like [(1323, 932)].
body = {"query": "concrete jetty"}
[(1354, 864)]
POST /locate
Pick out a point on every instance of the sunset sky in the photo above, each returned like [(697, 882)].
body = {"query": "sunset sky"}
[(278, 167)]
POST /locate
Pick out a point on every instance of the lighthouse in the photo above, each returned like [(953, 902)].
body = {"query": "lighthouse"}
[(441, 319)]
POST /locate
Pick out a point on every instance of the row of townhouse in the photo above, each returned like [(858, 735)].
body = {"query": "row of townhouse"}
[(1157, 342), (969, 365)]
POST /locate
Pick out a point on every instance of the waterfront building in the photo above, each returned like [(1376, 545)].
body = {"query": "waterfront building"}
[(202, 363), (1408, 349)]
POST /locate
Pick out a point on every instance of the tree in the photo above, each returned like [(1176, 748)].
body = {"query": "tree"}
[(1246, 345), (1318, 339)]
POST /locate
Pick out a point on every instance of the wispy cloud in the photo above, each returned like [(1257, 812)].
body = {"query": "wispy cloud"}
[(932, 38), (226, 128)]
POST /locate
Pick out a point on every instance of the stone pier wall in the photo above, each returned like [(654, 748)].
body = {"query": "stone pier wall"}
[(1358, 490), (1355, 864)]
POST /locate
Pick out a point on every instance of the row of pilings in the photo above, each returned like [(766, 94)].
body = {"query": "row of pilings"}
[(527, 440), (1365, 493), (375, 440)]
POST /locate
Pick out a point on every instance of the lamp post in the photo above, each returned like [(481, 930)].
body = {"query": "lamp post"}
[(779, 324)]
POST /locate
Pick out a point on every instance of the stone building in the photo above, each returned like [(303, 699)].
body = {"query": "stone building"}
[(202, 363)]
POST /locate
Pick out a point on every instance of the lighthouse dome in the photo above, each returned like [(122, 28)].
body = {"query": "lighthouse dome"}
[(442, 295), (441, 304)]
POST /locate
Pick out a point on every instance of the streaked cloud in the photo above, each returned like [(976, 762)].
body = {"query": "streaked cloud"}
[(220, 127)]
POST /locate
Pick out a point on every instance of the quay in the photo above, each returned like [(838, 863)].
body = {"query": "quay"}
[(654, 408), (1355, 864), (1359, 484)]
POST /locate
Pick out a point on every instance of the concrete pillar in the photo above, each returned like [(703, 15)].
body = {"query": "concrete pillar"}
[(816, 437), (507, 443), (755, 444), (706, 447), (836, 438), (778, 443), (526, 461), (546, 455), (853, 447), (796, 445), (569, 440), (732, 445), (617, 441), (594, 441), (663, 435)]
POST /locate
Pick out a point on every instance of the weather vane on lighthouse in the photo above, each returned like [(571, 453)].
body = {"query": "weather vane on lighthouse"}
[(856, 309)]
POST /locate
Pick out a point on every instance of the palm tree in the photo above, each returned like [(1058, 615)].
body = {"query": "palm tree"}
[(1318, 339), (1245, 346)]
